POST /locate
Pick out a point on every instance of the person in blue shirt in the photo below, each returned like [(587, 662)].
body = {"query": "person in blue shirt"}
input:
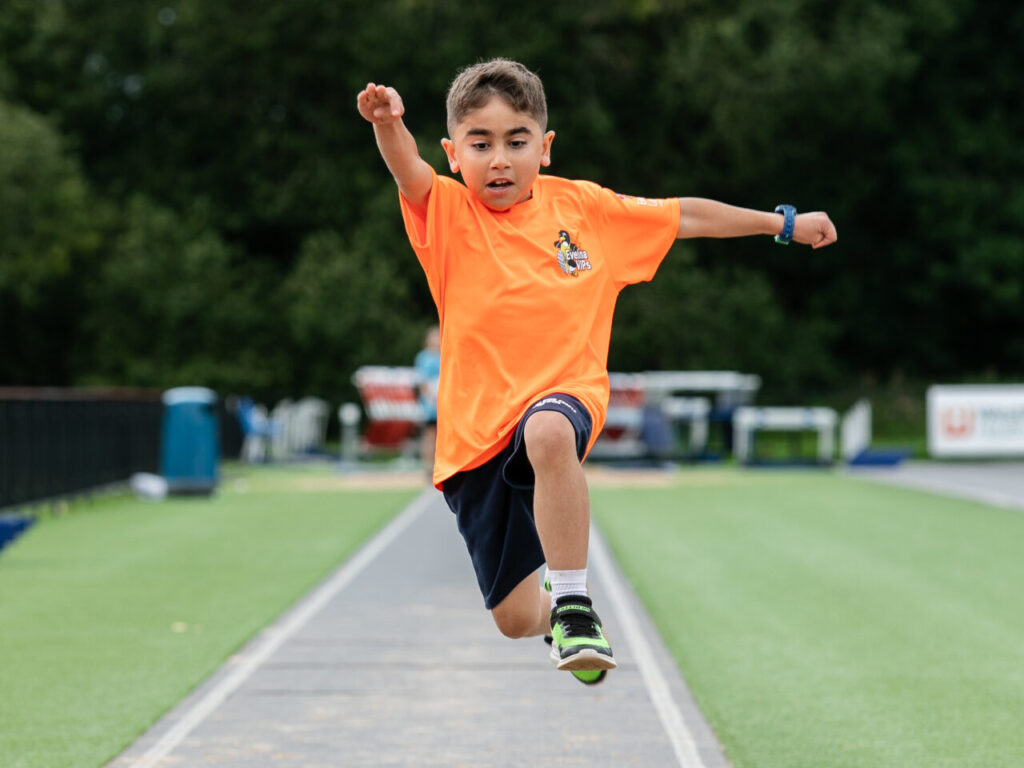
[(428, 364)]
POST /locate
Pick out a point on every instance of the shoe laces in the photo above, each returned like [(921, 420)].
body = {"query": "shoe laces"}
[(579, 624)]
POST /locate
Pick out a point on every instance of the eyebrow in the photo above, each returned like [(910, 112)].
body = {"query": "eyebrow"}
[(485, 132)]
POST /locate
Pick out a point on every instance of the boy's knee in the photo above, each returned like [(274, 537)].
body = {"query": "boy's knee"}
[(549, 436), (513, 622)]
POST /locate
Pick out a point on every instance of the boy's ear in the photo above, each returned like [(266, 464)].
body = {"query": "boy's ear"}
[(449, 149), (545, 156)]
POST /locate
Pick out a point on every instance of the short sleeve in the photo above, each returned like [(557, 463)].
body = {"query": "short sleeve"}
[(637, 233), (426, 229)]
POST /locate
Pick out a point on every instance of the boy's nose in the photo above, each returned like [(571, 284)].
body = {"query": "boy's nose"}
[(499, 160)]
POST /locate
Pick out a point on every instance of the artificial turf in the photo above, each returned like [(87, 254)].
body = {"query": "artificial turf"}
[(822, 621), (112, 612)]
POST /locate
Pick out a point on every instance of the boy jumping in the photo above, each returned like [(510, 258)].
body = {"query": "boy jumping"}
[(525, 270)]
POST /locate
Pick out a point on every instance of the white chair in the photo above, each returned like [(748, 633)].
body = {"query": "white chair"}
[(309, 425), (280, 441)]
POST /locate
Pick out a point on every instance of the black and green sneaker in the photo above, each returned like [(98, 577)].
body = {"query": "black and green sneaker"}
[(577, 642)]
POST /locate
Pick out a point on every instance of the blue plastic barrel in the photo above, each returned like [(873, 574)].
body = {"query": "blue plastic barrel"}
[(190, 444)]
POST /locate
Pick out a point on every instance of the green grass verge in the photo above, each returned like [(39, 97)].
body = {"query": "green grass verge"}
[(114, 612), (826, 622)]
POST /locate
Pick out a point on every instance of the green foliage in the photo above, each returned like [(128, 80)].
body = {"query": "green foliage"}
[(170, 306), (47, 239), (220, 142), (41, 190), (694, 318), (349, 304)]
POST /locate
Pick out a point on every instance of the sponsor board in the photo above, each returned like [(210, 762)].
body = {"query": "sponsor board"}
[(976, 420)]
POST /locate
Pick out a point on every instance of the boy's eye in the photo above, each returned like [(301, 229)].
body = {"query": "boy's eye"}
[(479, 145), (517, 143)]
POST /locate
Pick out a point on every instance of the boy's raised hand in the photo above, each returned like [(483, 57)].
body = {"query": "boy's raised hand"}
[(814, 229), (380, 104)]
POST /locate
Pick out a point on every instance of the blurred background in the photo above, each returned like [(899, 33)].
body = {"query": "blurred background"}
[(188, 195)]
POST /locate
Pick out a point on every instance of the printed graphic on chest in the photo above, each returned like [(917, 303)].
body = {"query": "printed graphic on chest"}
[(571, 258)]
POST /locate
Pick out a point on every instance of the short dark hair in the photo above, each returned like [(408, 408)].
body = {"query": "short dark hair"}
[(475, 85)]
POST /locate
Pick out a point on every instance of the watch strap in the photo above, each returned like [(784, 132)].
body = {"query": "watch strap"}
[(789, 220)]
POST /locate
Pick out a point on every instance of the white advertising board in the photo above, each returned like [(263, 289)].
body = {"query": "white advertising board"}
[(976, 420)]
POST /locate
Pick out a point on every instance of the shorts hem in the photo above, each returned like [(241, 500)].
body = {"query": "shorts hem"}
[(490, 602)]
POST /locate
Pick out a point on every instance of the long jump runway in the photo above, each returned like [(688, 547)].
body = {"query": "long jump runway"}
[(393, 661)]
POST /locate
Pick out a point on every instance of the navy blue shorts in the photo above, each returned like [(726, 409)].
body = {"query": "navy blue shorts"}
[(493, 505)]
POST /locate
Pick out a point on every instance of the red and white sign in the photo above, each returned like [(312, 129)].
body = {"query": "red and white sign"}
[(976, 420)]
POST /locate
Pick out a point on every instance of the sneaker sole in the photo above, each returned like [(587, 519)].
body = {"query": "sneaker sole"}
[(583, 660)]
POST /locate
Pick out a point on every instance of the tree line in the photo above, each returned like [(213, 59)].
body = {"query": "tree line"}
[(187, 194)]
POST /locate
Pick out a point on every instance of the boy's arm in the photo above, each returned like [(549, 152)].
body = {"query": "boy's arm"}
[(383, 107), (699, 217)]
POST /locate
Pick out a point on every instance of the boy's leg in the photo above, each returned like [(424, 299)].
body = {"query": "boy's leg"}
[(496, 507), (525, 612), (561, 501), (495, 518), (561, 507)]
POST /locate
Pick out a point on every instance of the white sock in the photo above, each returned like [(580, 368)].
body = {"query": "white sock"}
[(567, 583)]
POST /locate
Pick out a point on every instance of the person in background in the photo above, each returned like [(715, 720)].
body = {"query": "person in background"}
[(428, 365)]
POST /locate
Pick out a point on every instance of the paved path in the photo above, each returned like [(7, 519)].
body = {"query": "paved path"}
[(997, 483), (394, 662)]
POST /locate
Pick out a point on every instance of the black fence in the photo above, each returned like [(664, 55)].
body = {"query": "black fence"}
[(58, 442)]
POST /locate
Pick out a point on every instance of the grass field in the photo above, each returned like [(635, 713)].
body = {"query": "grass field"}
[(111, 613), (826, 622)]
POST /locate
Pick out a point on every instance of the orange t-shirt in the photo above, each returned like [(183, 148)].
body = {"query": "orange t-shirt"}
[(525, 299)]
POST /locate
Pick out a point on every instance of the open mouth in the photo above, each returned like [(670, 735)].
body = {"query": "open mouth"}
[(499, 185)]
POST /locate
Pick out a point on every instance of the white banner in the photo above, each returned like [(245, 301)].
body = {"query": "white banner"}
[(976, 420)]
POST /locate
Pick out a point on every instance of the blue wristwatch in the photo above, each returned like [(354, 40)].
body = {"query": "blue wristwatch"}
[(789, 214)]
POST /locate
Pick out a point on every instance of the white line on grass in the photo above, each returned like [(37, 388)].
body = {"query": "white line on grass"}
[(277, 634), (683, 743)]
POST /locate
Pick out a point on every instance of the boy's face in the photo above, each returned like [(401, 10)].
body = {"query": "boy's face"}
[(499, 152)]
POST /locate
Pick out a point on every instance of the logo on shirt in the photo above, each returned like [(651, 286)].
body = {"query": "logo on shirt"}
[(571, 259), (648, 201), (555, 401)]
